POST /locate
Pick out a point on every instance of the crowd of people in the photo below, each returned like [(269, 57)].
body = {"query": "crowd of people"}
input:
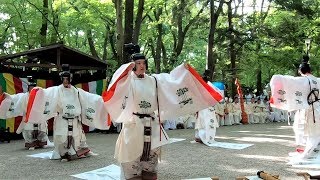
[(147, 105), (228, 112)]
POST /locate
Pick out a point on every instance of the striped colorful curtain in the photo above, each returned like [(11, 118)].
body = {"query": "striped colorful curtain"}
[(14, 85), (94, 87)]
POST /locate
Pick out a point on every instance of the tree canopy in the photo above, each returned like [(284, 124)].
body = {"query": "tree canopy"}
[(246, 39)]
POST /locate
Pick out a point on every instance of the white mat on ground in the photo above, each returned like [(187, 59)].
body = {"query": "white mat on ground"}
[(207, 178), (173, 140), (299, 162), (313, 173), (312, 166), (253, 178), (111, 172), (44, 155), (227, 145)]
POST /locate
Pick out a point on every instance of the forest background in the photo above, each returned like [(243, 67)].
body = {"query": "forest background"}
[(246, 39)]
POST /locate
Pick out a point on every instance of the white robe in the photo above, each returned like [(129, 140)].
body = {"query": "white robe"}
[(249, 109), (290, 93), (237, 112), (206, 125), (170, 124), (73, 103), (220, 115), (12, 105), (179, 93), (16, 105), (228, 118)]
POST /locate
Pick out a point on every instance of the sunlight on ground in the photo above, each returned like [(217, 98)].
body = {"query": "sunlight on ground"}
[(285, 127), (275, 135), (258, 134), (261, 157), (251, 132), (225, 137), (242, 171), (258, 139), (243, 131)]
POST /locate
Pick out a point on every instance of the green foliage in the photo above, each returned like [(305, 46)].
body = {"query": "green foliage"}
[(272, 41)]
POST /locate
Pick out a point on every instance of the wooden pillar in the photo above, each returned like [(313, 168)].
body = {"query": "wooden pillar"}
[(59, 58)]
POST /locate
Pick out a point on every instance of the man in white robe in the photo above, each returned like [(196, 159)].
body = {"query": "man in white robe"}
[(71, 108), (298, 128), (133, 97), (270, 115), (261, 111), (35, 135), (277, 114), (220, 115), (206, 126), (170, 124), (249, 109), (248, 97), (236, 111), (228, 111), (187, 121), (300, 93)]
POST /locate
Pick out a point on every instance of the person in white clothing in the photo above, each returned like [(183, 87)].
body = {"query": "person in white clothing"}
[(220, 113), (300, 93), (71, 108), (133, 97), (206, 126), (249, 109), (170, 124), (236, 111), (34, 134), (228, 111)]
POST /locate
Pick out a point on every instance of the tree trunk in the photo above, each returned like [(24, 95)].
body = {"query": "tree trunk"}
[(260, 20), (211, 55), (120, 40), (259, 72), (105, 43), (55, 21), (91, 44), (157, 58), (164, 56), (138, 21), (259, 80), (128, 22), (44, 26), (128, 26), (4, 39), (182, 31), (113, 43), (232, 49)]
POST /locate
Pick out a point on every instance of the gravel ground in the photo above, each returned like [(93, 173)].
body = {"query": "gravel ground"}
[(180, 160)]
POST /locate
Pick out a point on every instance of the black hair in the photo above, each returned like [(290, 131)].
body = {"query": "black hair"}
[(131, 48), (137, 56), (305, 66), (31, 81), (65, 72), (206, 76)]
